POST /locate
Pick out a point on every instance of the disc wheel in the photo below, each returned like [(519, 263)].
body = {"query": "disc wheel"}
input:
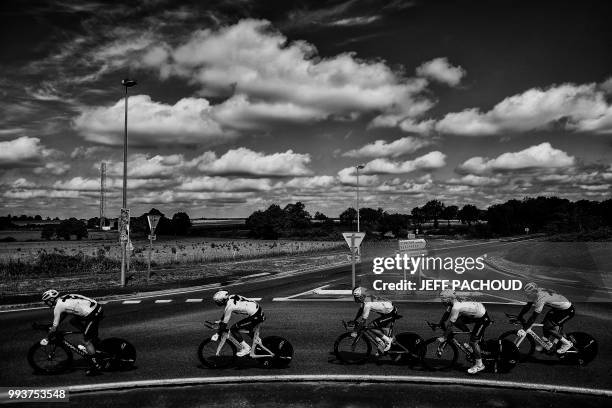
[(440, 356), (525, 345), (586, 345), (408, 348), (352, 350), (207, 354), (121, 354), (53, 358), (282, 350)]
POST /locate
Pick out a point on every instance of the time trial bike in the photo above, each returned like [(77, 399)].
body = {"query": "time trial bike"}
[(271, 351), (55, 355), (583, 351)]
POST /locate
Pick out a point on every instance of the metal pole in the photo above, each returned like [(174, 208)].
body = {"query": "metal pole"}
[(353, 256), (125, 143), (150, 250), (357, 198)]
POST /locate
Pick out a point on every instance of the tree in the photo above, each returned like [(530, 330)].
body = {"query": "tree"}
[(320, 216), (450, 213), (181, 223), (469, 213), (93, 223), (433, 210), (70, 227), (348, 216)]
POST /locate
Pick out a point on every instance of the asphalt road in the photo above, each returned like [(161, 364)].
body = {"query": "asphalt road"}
[(167, 335)]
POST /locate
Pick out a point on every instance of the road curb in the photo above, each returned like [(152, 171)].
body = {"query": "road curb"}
[(133, 385)]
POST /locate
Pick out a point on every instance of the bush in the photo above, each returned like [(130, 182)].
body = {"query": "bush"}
[(8, 239)]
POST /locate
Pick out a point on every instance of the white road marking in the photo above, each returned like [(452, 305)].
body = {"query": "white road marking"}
[(131, 302), (333, 292), (254, 299), (163, 301), (23, 309), (303, 293), (193, 300), (281, 299), (359, 378), (256, 275)]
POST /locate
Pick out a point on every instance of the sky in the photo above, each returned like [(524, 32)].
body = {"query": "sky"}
[(241, 104)]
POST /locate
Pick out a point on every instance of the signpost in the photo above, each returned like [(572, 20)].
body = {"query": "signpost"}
[(153, 219), (124, 237), (353, 239), (412, 247)]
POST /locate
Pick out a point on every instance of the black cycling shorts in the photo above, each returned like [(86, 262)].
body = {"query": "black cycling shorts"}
[(385, 320), (89, 324), (556, 317), (250, 322), (480, 324)]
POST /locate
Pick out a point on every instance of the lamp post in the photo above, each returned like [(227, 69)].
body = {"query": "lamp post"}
[(127, 83), (358, 167)]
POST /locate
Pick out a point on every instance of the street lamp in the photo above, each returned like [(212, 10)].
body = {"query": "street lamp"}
[(127, 83), (358, 167)]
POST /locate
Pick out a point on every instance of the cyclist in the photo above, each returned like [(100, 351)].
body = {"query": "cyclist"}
[(86, 313), (240, 305), (561, 310), (460, 313), (387, 314)]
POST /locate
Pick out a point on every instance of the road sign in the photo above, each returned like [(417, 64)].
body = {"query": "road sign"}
[(408, 244), (153, 220), (411, 236), (152, 237), (353, 239), (526, 230), (124, 225)]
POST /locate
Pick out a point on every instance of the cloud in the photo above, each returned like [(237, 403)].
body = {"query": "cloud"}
[(142, 166), (439, 69), (429, 161), (575, 107), (541, 156), (355, 21), (243, 161), (224, 184), (310, 183), (24, 152), (381, 148), (188, 121), (348, 176), (476, 181), (252, 59)]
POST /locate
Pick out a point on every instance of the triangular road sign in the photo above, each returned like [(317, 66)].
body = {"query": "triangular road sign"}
[(355, 237), (153, 220)]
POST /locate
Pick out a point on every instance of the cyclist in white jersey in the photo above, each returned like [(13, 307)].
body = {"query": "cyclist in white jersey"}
[(561, 310), (459, 314), (86, 313), (240, 305), (387, 314)]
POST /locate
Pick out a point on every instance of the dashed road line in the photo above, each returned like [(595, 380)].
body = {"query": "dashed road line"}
[(163, 301), (131, 302), (193, 300)]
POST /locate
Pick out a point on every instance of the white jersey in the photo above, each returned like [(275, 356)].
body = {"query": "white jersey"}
[(468, 309), (241, 305), (377, 305), (72, 304), (545, 297)]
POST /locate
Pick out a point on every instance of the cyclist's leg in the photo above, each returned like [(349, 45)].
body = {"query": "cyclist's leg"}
[(560, 318), (477, 334), (90, 329), (550, 328)]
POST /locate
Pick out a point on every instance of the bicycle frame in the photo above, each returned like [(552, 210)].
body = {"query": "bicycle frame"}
[(70, 345), (373, 337), (256, 341), (539, 340)]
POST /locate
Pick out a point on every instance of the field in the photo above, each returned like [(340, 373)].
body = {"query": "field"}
[(168, 251)]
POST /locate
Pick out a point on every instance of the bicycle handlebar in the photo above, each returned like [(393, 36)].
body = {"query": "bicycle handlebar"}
[(433, 326)]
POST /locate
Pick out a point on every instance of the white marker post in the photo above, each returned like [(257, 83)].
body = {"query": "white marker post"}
[(153, 220), (353, 239)]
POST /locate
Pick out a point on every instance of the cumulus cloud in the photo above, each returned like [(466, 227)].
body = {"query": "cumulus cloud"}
[(310, 183), (23, 152), (188, 121), (381, 148), (439, 69), (251, 58), (243, 161), (576, 107), (540, 156), (348, 176), (143, 166), (429, 161), (476, 181), (207, 183)]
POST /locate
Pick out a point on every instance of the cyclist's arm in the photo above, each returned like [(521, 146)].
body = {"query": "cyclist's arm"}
[(531, 320), (227, 315), (524, 310), (58, 316), (359, 313), (444, 318)]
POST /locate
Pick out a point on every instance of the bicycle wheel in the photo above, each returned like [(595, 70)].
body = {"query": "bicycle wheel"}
[(352, 350), (282, 349), (499, 356), (525, 345), (586, 345), (439, 356), (53, 358), (121, 354), (408, 348), (207, 353)]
